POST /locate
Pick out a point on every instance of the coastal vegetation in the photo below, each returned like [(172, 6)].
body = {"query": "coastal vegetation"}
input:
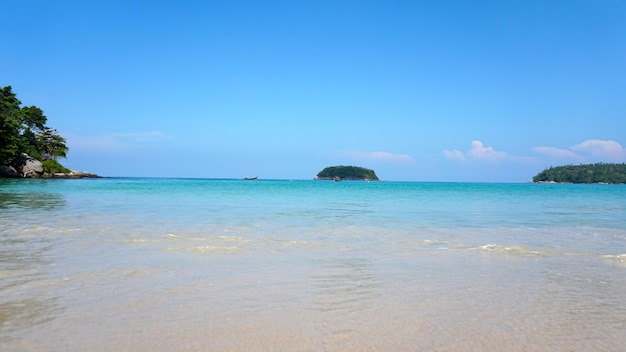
[(347, 173), (588, 173), (24, 133)]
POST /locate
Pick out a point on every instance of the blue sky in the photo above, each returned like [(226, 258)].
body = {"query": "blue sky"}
[(416, 90)]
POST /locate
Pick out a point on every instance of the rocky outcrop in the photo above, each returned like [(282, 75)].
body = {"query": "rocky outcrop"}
[(31, 167)]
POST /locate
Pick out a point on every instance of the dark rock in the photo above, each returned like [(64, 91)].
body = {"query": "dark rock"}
[(8, 171)]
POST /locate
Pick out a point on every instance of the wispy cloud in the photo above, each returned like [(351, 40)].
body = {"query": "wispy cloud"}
[(557, 152), (454, 154), (478, 151), (610, 150), (113, 142), (140, 136), (591, 150), (588, 151), (379, 156)]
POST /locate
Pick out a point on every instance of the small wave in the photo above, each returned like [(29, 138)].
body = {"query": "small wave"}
[(207, 249), (134, 238), (618, 258), (35, 229), (171, 236), (513, 250), (233, 239)]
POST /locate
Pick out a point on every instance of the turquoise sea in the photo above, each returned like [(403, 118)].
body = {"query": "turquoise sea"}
[(147, 264)]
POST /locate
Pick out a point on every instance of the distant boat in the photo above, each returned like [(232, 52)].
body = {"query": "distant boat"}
[(251, 178), (337, 179)]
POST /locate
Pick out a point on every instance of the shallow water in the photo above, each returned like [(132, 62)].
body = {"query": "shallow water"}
[(231, 265)]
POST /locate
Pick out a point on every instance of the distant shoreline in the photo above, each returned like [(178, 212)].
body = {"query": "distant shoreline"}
[(575, 183)]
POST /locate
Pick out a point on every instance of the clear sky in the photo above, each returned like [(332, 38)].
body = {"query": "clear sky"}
[(416, 90)]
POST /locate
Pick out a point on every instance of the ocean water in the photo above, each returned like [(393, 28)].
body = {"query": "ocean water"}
[(133, 264)]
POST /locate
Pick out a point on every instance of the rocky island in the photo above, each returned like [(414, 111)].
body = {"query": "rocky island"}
[(347, 173), (589, 173)]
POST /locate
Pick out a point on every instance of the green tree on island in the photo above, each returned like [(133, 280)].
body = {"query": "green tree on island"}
[(347, 173), (589, 173), (23, 130)]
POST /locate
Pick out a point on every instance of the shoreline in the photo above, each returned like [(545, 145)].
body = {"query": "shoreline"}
[(55, 175), (71, 174)]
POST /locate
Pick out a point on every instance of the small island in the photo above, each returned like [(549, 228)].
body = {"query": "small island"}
[(588, 173), (353, 173)]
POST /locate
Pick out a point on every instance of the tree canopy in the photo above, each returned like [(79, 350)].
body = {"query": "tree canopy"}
[(589, 173), (347, 173), (23, 130)]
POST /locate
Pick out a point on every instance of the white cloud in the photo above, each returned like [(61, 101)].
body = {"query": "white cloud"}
[(381, 156), (454, 154), (590, 150), (478, 152), (482, 152), (610, 150), (556, 152)]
